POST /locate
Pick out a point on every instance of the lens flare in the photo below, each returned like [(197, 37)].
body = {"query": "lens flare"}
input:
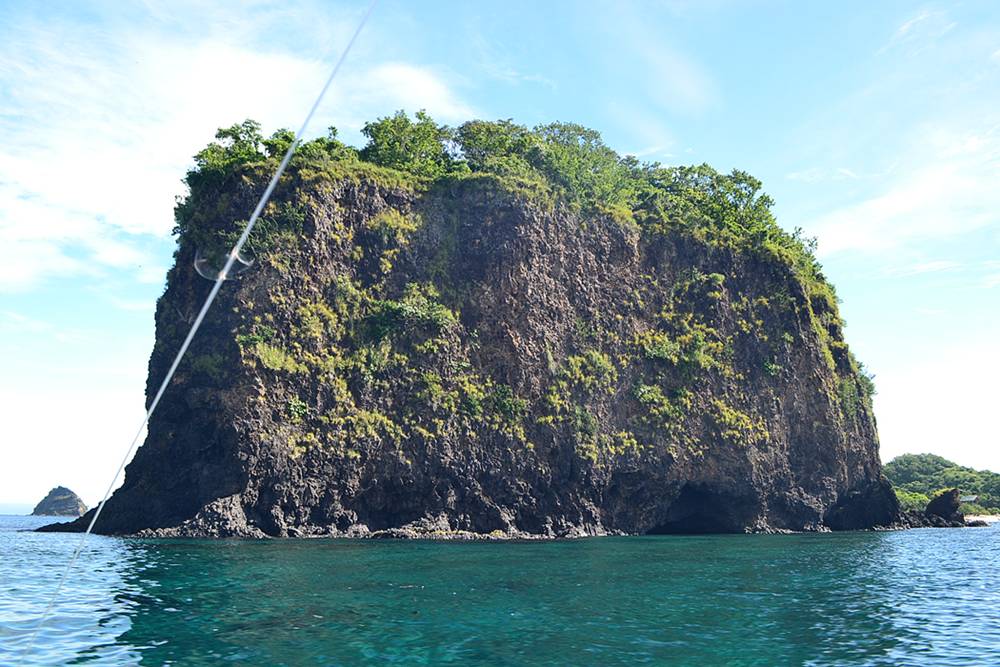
[(211, 267)]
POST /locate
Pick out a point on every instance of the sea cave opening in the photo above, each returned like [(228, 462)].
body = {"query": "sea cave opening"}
[(699, 510)]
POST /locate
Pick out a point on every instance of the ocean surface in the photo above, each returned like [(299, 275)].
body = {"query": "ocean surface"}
[(920, 597)]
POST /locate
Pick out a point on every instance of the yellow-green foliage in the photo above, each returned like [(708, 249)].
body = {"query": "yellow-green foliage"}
[(393, 226), (662, 411), (591, 371), (474, 403), (300, 443), (658, 345), (694, 345), (737, 427), (317, 320), (684, 338), (417, 309), (277, 358), (436, 396), (586, 374), (582, 377), (393, 230), (212, 365), (361, 425), (297, 409)]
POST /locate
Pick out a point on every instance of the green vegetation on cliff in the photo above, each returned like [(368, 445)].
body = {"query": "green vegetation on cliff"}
[(365, 338), (918, 477), (560, 161)]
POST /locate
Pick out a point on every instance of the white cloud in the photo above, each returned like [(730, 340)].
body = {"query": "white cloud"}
[(81, 448), (676, 81), (98, 133), (10, 320), (138, 305), (950, 190), (396, 85)]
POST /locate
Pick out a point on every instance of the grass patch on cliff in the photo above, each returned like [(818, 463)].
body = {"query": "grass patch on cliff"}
[(735, 426), (212, 365), (418, 309), (278, 359)]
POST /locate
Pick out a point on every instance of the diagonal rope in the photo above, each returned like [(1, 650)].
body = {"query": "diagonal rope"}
[(230, 260)]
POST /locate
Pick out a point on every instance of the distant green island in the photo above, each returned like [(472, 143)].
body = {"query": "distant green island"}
[(918, 477)]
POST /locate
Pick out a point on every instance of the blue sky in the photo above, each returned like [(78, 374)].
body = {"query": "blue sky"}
[(875, 126)]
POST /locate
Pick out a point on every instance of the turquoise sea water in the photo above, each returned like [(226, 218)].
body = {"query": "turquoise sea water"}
[(921, 597)]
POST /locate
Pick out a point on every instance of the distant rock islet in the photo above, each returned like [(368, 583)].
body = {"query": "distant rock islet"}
[(60, 501)]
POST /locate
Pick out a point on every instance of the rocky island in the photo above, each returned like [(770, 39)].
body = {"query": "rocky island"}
[(496, 330), (60, 501)]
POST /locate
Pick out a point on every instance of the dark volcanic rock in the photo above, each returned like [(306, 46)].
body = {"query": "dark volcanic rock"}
[(60, 501), (945, 506), (496, 366), (941, 512)]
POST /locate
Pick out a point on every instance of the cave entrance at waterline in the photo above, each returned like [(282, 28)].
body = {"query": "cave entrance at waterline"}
[(701, 510)]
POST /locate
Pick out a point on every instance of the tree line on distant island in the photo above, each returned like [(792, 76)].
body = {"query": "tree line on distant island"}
[(918, 477)]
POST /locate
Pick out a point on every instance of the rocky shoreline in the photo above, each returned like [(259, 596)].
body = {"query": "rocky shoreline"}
[(941, 512)]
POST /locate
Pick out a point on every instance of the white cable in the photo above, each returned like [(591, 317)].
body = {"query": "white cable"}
[(231, 259)]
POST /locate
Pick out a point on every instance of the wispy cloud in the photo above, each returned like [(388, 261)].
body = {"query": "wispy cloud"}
[(98, 132), (9, 319), (651, 137), (820, 175), (673, 79), (950, 190), (132, 305), (13, 322), (680, 83), (920, 30), (494, 63), (935, 266)]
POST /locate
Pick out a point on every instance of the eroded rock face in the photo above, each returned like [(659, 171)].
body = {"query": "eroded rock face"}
[(60, 501), (469, 361)]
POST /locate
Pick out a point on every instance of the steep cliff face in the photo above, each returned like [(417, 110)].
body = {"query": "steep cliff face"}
[(470, 356)]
